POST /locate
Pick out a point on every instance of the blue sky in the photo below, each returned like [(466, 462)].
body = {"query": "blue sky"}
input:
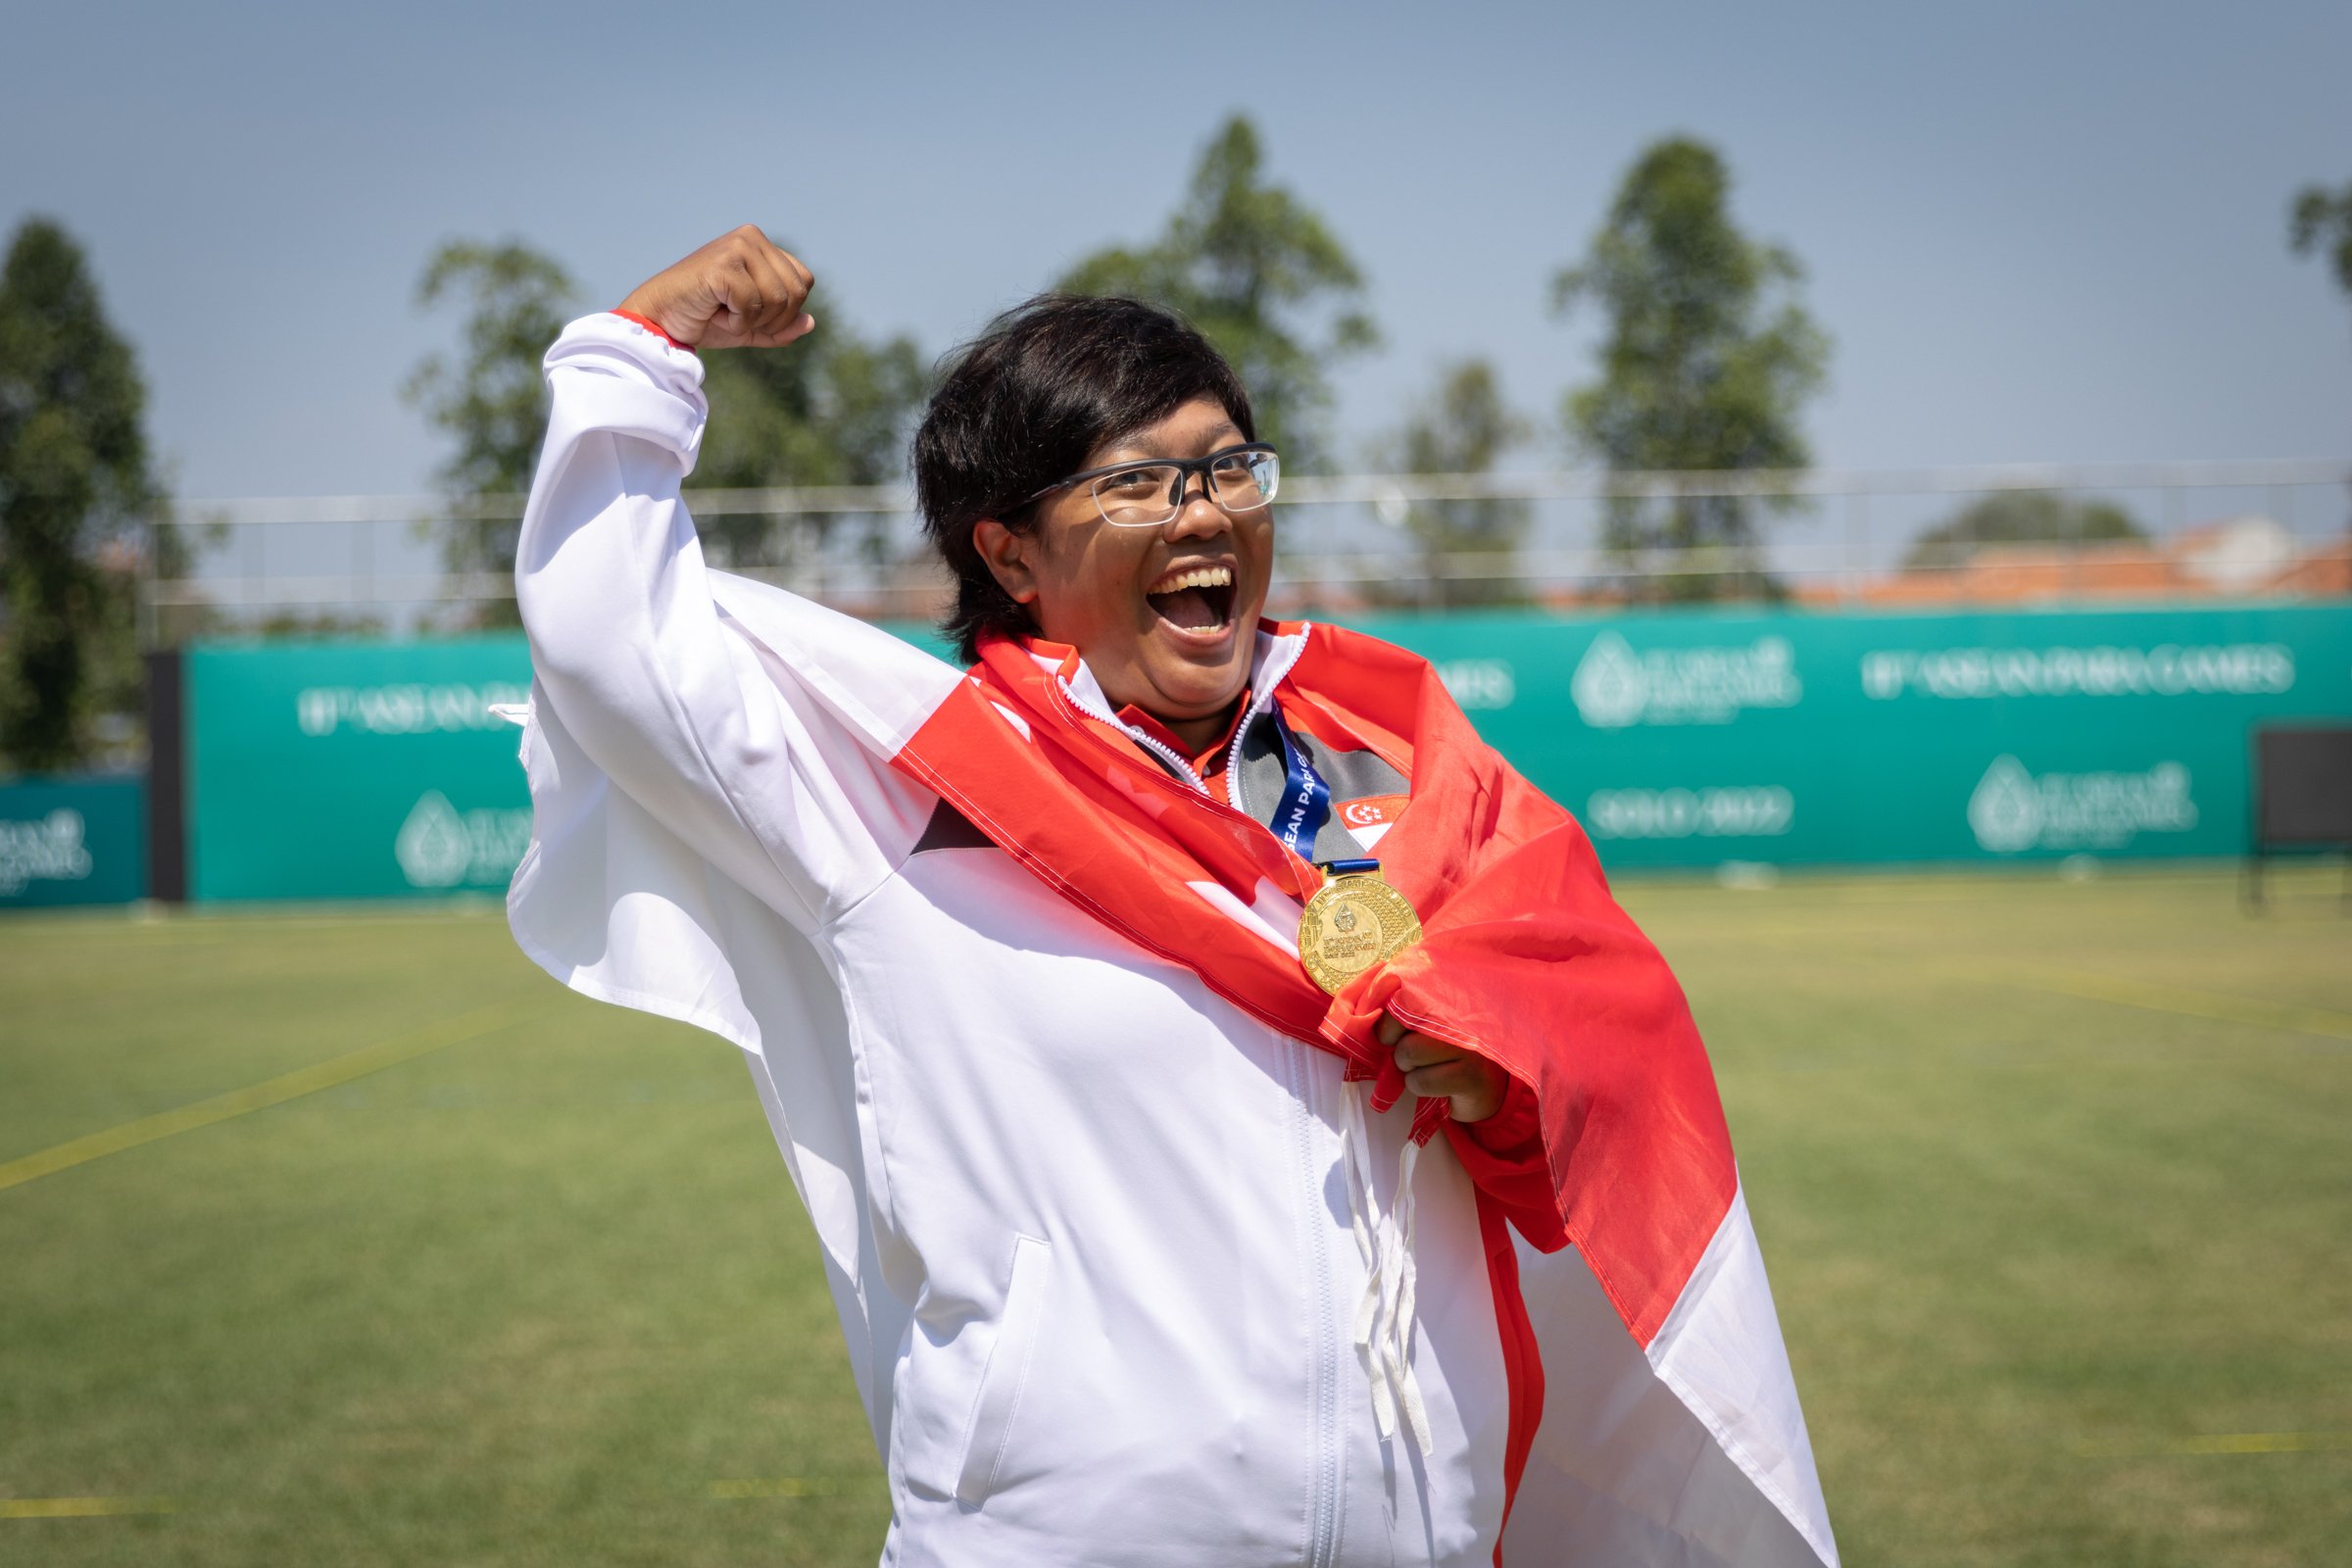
[(2036, 232)]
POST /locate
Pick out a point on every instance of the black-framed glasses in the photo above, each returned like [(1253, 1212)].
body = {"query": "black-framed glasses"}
[(1148, 494)]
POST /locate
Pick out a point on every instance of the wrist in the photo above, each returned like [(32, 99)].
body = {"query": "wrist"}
[(629, 309)]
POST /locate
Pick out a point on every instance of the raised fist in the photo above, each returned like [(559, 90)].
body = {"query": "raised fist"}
[(737, 292)]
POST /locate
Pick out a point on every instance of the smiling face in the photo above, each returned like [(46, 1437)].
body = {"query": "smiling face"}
[(1164, 617)]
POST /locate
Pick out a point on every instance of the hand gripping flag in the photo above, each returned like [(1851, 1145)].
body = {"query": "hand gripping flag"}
[(1654, 1417)]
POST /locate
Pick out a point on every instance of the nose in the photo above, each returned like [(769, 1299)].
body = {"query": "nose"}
[(1198, 516)]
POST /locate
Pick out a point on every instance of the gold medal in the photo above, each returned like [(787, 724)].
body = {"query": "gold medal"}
[(1354, 921)]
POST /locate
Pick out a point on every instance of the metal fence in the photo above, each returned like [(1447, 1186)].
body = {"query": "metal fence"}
[(2266, 529)]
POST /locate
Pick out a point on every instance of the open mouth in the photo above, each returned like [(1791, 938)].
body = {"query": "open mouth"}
[(1194, 597)]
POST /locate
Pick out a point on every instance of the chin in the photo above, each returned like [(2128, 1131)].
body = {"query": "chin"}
[(1194, 691)]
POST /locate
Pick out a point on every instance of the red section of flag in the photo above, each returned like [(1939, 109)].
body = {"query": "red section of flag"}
[(1525, 957), (1522, 1360), (1089, 814)]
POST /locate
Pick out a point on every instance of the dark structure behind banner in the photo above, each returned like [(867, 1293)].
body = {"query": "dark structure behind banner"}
[(2302, 797), (166, 780)]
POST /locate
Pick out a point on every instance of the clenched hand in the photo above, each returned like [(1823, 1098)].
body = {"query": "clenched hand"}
[(1436, 1070), (740, 291)]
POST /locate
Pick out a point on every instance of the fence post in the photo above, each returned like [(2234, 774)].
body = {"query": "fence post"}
[(1857, 543)]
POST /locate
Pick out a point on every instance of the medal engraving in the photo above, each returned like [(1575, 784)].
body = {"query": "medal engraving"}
[(1351, 923)]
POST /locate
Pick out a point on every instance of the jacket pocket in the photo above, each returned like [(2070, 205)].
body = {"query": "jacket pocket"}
[(998, 1399)]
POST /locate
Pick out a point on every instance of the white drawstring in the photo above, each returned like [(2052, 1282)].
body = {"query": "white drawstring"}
[(1384, 1320)]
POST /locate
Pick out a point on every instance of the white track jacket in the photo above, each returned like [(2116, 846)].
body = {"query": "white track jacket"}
[(1092, 1322)]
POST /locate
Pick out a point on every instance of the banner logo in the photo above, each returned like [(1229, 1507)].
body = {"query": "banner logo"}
[(2011, 810), (44, 849), (450, 708), (440, 847), (1479, 683), (2168, 669), (1763, 810), (1614, 686)]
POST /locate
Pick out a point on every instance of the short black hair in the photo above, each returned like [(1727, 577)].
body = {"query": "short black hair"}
[(1025, 403)]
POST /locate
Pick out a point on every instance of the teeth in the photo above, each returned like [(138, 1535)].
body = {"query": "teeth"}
[(1197, 577)]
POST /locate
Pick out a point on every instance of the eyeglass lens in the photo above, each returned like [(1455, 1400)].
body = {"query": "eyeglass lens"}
[(1147, 496)]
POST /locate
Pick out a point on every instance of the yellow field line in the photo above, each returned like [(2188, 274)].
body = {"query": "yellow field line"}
[(2222, 1442), (2228, 1008), (780, 1487), (270, 1091), (82, 1507)]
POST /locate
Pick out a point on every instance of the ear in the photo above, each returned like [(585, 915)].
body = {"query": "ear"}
[(1010, 557)]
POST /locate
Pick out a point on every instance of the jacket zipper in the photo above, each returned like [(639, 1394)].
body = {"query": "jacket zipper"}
[(1325, 1456), (1259, 702), (1185, 771), (1167, 753)]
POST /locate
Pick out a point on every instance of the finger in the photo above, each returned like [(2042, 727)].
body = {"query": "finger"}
[(1414, 1052), (723, 287), (1446, 1079), (727, 329), (805, 280), (778, 291), (1472, 1087), (1389, 1030), (799, 327), (751, 293), (792, 302)]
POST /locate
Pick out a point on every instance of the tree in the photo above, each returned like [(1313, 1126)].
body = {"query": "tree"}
[(834, 409), (1464, 426), (2320, 221), (831, 410), (495, 402), (1708, 358), (2018, 516), (75, 495), (1262, 277)]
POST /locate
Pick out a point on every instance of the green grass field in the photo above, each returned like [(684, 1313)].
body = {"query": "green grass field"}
[(2054, 1180)]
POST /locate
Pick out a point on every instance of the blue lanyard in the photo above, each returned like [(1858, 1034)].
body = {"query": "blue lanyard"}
[(1305, 799)]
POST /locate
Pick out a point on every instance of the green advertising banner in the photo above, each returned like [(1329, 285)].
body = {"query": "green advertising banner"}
[(1696, 738), (1681, 739), (73, 841), (341, 770)]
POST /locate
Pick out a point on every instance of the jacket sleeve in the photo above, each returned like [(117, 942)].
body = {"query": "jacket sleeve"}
[(720, 736)]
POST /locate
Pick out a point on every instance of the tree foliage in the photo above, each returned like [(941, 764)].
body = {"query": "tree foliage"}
[(1262, 278), (2019, 518), (2321, 221), (1463, 425), (833, 408), (75, 496), (493, 401), (1709, 356)]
